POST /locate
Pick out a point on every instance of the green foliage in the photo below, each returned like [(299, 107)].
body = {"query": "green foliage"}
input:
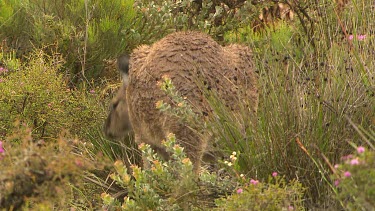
[(305, 92), (273, 195), (88, 32), (38, 96), (172, 185), (84, 32), (6, 11), (166, 185), (39, 175), (354, 176), (157, 18), (183, 110), (355, 180), (280, 38), (10, 61)]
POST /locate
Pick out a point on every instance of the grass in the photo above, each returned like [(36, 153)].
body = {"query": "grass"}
[(307, 94)]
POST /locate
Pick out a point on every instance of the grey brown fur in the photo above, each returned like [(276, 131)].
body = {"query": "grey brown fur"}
[(184, 57)]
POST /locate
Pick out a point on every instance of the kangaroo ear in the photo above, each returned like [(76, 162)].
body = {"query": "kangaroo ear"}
[(123, 63)]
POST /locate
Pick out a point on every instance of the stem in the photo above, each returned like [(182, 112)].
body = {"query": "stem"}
[(85, 40)]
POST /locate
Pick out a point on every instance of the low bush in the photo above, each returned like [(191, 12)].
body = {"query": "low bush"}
[(166, 185), (354, 176), (276, 194), (355, 180), (40, 175), (84, 32), (173, 185), (37, 95)]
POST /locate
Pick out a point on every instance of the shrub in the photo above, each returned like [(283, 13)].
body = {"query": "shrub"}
[(173, 185), (39, 175), (354, 176), (166, 185), (38, 96), (84, 32), (10, 61), (273, 195), (354, 179)]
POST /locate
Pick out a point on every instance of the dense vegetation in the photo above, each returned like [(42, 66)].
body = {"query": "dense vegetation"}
[(312, 147)]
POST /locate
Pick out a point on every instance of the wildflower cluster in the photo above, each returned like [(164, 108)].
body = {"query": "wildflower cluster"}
[(232, 160), (360, 37), (273, 195), (355, 178), (3, 70), (349, 160), (255, 182), (233, 165)]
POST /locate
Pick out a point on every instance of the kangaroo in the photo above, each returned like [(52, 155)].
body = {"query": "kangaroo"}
[(184, 57)]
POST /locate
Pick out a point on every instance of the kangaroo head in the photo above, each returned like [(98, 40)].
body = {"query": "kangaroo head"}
[(118, 123)]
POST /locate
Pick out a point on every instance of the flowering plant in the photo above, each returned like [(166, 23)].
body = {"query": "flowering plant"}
[(354, 179)]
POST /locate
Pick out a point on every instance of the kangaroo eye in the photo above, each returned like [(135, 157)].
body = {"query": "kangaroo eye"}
[(114, 105)]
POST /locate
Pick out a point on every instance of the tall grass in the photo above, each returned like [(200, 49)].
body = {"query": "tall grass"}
[(306, 93)]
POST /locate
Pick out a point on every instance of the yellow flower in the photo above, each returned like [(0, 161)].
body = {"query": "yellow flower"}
[(186, 161), (171, 136), (159, 104), (165, 77)]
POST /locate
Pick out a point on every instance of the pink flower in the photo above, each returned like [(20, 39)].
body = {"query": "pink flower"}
[(49, 104), (274, 174), (92, 91), (3, 70), (1, 147), (347, 157), (239, 190), (360, 149), (78, 163), (354, 162), (336, 166), (254, 182), (337, 182), (361, 37), (347, 174), (290, 207), (2, 151)]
